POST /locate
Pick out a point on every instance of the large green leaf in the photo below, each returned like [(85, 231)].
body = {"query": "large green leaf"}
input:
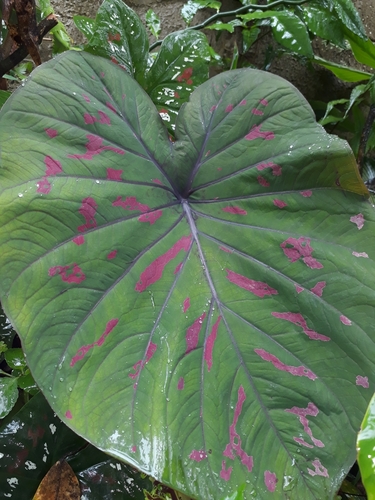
[(366, 450), (202, 309)]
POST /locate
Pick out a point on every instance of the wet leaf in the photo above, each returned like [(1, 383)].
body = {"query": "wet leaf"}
[(86, 25), (15, 358), (190, 307), (287, 28), (366, 450), (191, 7), (8, 395), (324, 24), (60, 483), (119, 35), (27, 383), (363, 50), (348, 14), (153, 23)]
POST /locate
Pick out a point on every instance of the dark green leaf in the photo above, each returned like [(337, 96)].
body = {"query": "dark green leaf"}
[(191, 7), (153, 23), (190, 306), (181, 65), (86, 25), (249, 36), (27, 383), (15, 358), (119, 35), (8, 395), (288, 30), (363, 50), (324, 24), (3, 97), (349, 16), (366, 450)]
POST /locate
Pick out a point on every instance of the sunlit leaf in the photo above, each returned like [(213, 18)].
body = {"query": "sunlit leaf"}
[(202, 309), (366, 450), (153, 23), (191, 7), (86, 25)]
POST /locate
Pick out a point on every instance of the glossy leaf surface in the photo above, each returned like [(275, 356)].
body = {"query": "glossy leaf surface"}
[(191, 307), (34, 439), (8, 395), (366, 450)]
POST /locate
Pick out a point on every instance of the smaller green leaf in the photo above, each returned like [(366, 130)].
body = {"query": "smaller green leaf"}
[(153, 23), (4, 94), (323, 23), (345, 73), (190, 8), (288, 30), (220, 26), (337, 116), (27, 383), (61, 39), (3, 347), (85, 24), (249, 37), (366, 450), (15, 358), (235, 57), (8, 395), (237, 495), (348, 14), (363, 50)]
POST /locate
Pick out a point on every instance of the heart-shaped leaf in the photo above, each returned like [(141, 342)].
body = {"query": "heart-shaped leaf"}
[(201, 309)]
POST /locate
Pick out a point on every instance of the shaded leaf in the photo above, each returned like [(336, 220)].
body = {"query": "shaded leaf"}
[(249, 37), (191, 7), (8, 395), (187, 306), (15, 358), (366, 450), (119, 35), (4, 94), (27, 383), (60, 483)]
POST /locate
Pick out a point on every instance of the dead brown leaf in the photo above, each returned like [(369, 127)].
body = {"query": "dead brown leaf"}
[(60, 483)]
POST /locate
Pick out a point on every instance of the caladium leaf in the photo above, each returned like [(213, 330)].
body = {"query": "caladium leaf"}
[(119, 35), (202, 309), (180, 66)]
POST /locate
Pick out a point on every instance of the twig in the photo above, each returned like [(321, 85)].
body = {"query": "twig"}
[(364, 137), (19, 55), (241, 10)]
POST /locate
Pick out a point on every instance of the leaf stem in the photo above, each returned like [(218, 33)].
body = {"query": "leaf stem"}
[(240, 10), (2, 372), (364, 137)]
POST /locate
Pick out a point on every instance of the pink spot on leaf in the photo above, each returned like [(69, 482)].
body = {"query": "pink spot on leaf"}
[(198, 455), (210, 342), (234, 446), (306, 194), (225, 249), (157, 181), (264, 102), (358, 220), (262, 181), (112, 254), (360, 254), (257, 112), (279, 203), (345, 321), (181, 383), (94, 147), (133, 449), (295, 248), (89, 119), (88, 211), (111, 107), (258, 288), (299, 288), (138, 367), (243, 102), (186, 304), (178, 267), (79, 240), (185, 76), (130, 203), (229, 108), (363, 381), (68, 414), (213, 108), (302, 414), (43, 186), (75, 273), (299, 371), (114, 174), (318, 288), (276, 169), (225, 473), (154, 271), (319, 469), (53, 167), (51, 132), (301, 441), (82, 351), (176, 95), (192, 333), (234, 210), (299, 320), (256, 133), (86, 98), (270, 480), (104, 118), (151, 217)]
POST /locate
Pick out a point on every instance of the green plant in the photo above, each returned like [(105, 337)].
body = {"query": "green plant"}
[(366, 449), (184, 305)]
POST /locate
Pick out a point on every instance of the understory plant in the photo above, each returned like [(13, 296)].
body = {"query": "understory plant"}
[(192, 285)]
